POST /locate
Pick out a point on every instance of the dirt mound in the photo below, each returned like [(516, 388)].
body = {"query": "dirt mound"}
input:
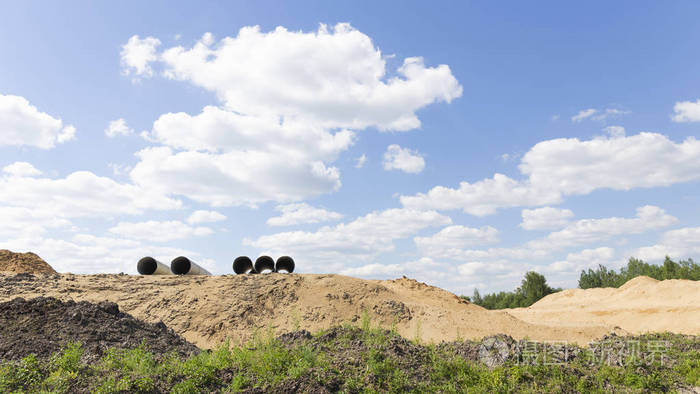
[(23, 263), (44, 325), (207, 310), (641, 305)]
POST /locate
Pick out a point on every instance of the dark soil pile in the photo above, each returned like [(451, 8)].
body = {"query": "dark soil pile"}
[(45, 325), (23, 263)]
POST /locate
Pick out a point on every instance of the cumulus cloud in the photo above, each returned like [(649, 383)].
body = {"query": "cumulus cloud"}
[(302, 213), (202, 216), (686, 111), (332, 248), (80, 194), (155, 231), (587, 231), (138, 54), (335, 76), (23, 124), (21, 169), (682, 243), (568, 166), (580, 233), (403, 159), (482, 198), (18, 222), (118, 127), (232, 178), (291, 102), (584, 259), (456, 237), (546, 218)]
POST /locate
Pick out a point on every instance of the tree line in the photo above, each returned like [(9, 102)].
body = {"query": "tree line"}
[(534, 285)]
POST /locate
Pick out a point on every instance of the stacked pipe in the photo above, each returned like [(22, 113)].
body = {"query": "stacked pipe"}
[(182, 265), (244, 265)]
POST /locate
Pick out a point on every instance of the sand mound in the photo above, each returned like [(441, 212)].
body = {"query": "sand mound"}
[(23, 263), (207, 310), (44, 325), (639, 306)]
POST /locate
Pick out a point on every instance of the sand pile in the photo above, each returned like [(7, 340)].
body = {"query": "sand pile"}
[(641, 305), (23, 263), (44, 325), (207, 310)]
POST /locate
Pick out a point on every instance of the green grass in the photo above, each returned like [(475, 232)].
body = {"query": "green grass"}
[(348, 359)]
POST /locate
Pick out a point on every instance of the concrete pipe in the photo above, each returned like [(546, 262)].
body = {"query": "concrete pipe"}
[(243, 265), (184, 266), (264, 263), (285, 263), (150, 266)]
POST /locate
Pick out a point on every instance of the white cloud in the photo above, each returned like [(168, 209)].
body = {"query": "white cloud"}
[(583, 114), (17, 222), (23, 124), (456, 237), (609, 113), (334, 76), (155, 231), (545, 218), (233, 178), (205, 217), (568, 166), (80, 194), (686, 111), (682, 243), (482, 198), (302, 213), (374, 270), (118, 127), (137, 54), (333, 248), (360, 161), (584, 259), (581, 232), (595, 114), (587, 231), (291, 102), (21, 169), (403, 159)]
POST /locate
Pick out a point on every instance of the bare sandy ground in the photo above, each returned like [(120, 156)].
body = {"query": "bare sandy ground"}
[(207, 310), (639, 306)]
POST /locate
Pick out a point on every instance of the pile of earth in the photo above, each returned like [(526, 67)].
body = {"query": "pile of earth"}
[(23, 263), (209, 310), (642, 305), (45, 325)]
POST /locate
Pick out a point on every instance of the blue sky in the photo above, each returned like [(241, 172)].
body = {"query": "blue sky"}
[(496, 137)]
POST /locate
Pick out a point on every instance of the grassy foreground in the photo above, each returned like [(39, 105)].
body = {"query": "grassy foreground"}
[(351, 359)]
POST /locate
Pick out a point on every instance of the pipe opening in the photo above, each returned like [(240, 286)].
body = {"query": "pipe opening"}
[(264, 263), (180, 265), (243, 265), (147, 266), (285, 263)]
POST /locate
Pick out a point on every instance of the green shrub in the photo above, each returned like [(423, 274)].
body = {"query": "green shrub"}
[(532, 288)]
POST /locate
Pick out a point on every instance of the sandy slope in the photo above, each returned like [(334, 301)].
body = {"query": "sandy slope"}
[(207, 310), (641, 305), (23, 262)]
